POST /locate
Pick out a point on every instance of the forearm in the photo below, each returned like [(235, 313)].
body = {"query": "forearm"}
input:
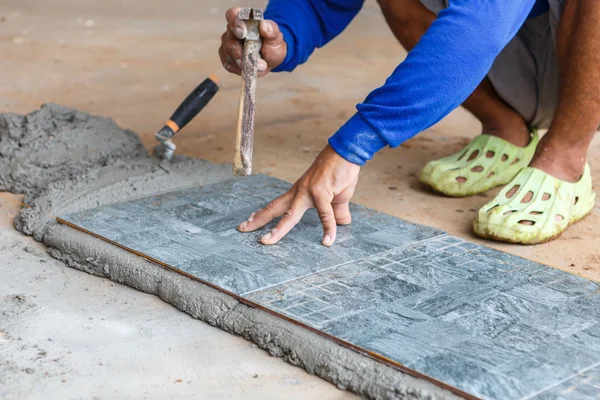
[(309, 24), (441, 71)]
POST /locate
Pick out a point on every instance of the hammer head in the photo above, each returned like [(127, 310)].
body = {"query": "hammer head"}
[(247, 14), (252, 17)]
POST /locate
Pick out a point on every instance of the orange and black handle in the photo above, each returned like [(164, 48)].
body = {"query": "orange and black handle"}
[(191, 106)]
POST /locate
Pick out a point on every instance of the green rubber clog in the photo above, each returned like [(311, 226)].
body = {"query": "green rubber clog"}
[(486, 162), (535, 208)]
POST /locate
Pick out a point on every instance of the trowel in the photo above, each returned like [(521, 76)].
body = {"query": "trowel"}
[(187, 111)]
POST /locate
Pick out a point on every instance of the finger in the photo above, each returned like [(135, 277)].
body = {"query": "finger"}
[(270, 33), (274, 48), (290, 218), (274, 209), (262, 65), (228, 62), (233, 47), (327, 217), (236, 25), (232, 54), (342, 213)]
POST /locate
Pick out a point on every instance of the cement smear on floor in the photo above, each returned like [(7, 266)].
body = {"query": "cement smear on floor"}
[(67, 161)]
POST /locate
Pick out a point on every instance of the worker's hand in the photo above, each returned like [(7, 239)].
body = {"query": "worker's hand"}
[(273, 51), (328, 185)]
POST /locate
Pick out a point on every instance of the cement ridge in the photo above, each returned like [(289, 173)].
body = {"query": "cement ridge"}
[(121, 172)]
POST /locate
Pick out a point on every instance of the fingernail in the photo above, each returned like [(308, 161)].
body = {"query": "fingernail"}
[(251, 217), (262, 66), (267, 236), (268, 27), (239, 63), (327, 240), (243, 225)]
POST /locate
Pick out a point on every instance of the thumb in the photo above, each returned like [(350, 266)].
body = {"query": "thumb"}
[(270, 33)]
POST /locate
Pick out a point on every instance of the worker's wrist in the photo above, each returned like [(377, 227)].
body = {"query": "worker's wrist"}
[(286, 65), (357, 141)]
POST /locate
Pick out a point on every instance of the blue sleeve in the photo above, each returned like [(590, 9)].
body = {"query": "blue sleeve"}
[(309, 24), (441, 71)]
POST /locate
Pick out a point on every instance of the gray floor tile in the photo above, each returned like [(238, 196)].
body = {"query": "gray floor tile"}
[(224, 273), (568, 353), (558, 322), (472, 290), (365, 325), (163, 201), (471, 376), (490, 323), (522, 337), (438, 306), (540, 294), (486, 352), (405, 350), (436, 333), (584, 386), (485, 323), (589, 338), (535, 376)]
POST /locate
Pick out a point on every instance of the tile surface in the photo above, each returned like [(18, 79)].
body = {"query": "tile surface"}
[(492, 324)]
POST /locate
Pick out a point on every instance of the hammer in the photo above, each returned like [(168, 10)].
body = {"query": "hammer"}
[(244, 139)]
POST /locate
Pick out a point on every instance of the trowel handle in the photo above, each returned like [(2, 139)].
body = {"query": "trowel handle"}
[(194, 103)]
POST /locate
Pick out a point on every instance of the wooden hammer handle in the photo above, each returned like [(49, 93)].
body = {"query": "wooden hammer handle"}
[(244, 140)]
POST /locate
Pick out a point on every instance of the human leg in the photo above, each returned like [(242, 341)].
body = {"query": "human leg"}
[(506, 145), (556, 190), (563, 150)]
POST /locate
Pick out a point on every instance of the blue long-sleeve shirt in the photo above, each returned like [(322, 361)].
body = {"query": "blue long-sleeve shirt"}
[(441, 71)]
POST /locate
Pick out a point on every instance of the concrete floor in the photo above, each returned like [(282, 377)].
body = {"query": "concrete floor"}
[(135, 60)]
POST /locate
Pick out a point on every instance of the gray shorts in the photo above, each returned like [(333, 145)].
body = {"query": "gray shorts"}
[(525, 74)]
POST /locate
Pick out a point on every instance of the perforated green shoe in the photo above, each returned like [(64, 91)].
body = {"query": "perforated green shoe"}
[(535, 208), (486, 162)]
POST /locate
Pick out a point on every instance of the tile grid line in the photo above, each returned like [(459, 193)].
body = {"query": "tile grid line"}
[(576, 374), (344, 264)]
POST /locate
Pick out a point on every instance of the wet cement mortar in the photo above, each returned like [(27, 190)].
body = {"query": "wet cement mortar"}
[(67, 161)]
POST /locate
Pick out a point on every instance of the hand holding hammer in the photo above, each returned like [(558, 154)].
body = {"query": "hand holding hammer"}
[(249, 44)]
